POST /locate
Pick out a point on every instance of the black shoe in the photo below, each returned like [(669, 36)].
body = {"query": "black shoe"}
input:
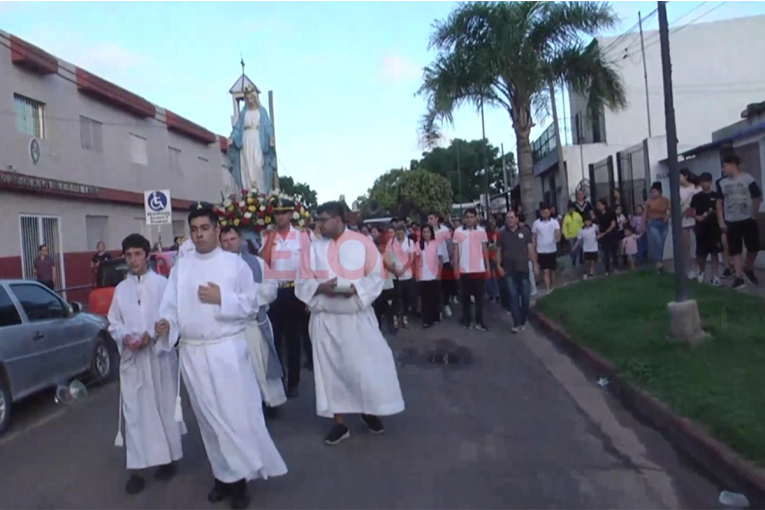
[(239, 497), (270, 413), (338, 433), (292, 392), (219, 492), (727, 273), (752, 278), (373, 423), (165, 472), (134, 485), (738, 283)]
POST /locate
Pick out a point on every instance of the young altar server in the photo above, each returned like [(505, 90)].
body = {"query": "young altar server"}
[(259, 333), (354, 369), (147, 376), (209, 301)]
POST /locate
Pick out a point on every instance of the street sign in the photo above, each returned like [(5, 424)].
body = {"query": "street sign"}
[(159, 209)]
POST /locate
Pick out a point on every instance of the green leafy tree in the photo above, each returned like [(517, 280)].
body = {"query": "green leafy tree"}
[(408, 193), (462, 163), (509, 55), (299, 190)]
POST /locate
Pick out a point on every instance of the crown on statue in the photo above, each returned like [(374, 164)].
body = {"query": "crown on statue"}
[(249, 89)]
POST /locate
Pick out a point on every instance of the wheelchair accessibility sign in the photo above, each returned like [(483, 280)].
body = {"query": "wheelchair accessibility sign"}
[(159, 209)]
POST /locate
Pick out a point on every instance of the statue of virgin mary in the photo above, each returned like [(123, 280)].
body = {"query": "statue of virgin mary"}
[(251, 147)]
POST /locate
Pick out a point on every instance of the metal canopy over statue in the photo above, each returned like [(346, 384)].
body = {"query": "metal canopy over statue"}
[(252, 145)]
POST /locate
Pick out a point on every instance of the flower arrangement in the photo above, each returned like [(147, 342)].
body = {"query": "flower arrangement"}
[(254, 210)]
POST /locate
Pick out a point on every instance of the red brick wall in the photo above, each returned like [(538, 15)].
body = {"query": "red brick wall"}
[(76, 269)]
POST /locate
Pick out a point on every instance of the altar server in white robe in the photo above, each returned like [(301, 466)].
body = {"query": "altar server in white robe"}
[(208, 302), (354, 369), (147, 375), (259, 333)]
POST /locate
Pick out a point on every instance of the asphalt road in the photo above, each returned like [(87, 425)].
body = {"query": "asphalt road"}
[(517, 426)]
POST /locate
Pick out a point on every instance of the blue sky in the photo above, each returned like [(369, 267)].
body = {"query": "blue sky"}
[(343, 73)]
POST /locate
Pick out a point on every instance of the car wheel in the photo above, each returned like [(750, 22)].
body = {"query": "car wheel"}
[(102, 365), (6, 401)]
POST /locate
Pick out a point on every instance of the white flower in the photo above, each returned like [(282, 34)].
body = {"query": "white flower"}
[(261, 221), (242, 204), (262, 207), (248, 215), (296, 215), (227, 202)]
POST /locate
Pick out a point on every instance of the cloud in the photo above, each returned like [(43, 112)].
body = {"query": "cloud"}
[(103, 58), (396, 69)]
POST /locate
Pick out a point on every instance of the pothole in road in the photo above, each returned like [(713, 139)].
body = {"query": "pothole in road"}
[(440, 352)]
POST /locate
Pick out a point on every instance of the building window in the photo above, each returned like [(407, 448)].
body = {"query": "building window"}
[(91, 134), (139, 150), (30, 115), (174, 160), (96, 230)]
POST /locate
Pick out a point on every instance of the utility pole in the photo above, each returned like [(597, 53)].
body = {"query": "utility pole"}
[(459, 175), (504, 167), (645, 74), (485, 162), (562, 170), (681, 279)]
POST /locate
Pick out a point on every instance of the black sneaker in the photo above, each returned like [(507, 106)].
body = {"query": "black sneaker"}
[(219, 492), (738, 283), (292, 392), (752, 278), (135, 484), (481, 327), (338, 433), (239, 497), (165, 472), (373, 423), (727, 273)]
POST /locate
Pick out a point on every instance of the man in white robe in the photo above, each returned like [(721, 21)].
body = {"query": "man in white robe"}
[(208, 302), (354, 369), (259, 333), (147, 376)]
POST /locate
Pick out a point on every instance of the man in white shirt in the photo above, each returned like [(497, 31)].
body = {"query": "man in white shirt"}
[(471, 262), (546, 233), (209, 300), (442, 236), (147, 375), (281, 252)]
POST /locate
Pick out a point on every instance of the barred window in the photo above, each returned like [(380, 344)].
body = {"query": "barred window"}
[(30, 115)]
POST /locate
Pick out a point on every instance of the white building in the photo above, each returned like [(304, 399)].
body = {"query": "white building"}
[(76, 155), (714, 77)]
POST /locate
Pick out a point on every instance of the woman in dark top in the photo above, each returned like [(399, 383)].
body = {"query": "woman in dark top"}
[(608, 235), (101, 255)]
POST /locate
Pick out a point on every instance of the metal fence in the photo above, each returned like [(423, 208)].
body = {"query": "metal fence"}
[(632, 170), (602, 183)]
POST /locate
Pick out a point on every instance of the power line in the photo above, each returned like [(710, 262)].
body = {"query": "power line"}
[(675, 31), (655, 36)]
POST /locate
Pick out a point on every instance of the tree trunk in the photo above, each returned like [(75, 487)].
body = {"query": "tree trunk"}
[(526, 172)]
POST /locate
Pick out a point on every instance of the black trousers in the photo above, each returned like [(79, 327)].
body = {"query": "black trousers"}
[(430, 298), (288, 318), (449, 285), (472, 285), (383, 310), (406, 297), (609, 245), (307, 346)]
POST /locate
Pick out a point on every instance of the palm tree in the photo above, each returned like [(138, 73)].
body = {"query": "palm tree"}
[(511, 55)]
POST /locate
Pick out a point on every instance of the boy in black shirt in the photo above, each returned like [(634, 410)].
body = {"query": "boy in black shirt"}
[(704, 206)]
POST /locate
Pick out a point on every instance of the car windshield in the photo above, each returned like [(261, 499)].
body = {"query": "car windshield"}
[(112, 272)]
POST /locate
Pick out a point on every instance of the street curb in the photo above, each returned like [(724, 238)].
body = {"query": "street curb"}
[(727, 466)]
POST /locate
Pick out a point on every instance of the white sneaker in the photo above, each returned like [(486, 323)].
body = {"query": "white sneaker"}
[(586, 277), (700, 278), (716, 281), (515, 329), (448, 311), (691, 274)]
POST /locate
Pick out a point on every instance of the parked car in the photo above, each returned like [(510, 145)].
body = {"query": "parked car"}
[(112, 272), (45, 341)]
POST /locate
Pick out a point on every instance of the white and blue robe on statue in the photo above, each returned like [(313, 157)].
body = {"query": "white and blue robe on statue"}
[(354, 368), (215, 363), (148, 376)]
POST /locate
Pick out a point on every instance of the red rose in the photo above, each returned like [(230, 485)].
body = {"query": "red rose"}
[(258, 228), (270, 209), (245, 192), (220, 213), (232, 196), (261, 214), (245, 221)]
